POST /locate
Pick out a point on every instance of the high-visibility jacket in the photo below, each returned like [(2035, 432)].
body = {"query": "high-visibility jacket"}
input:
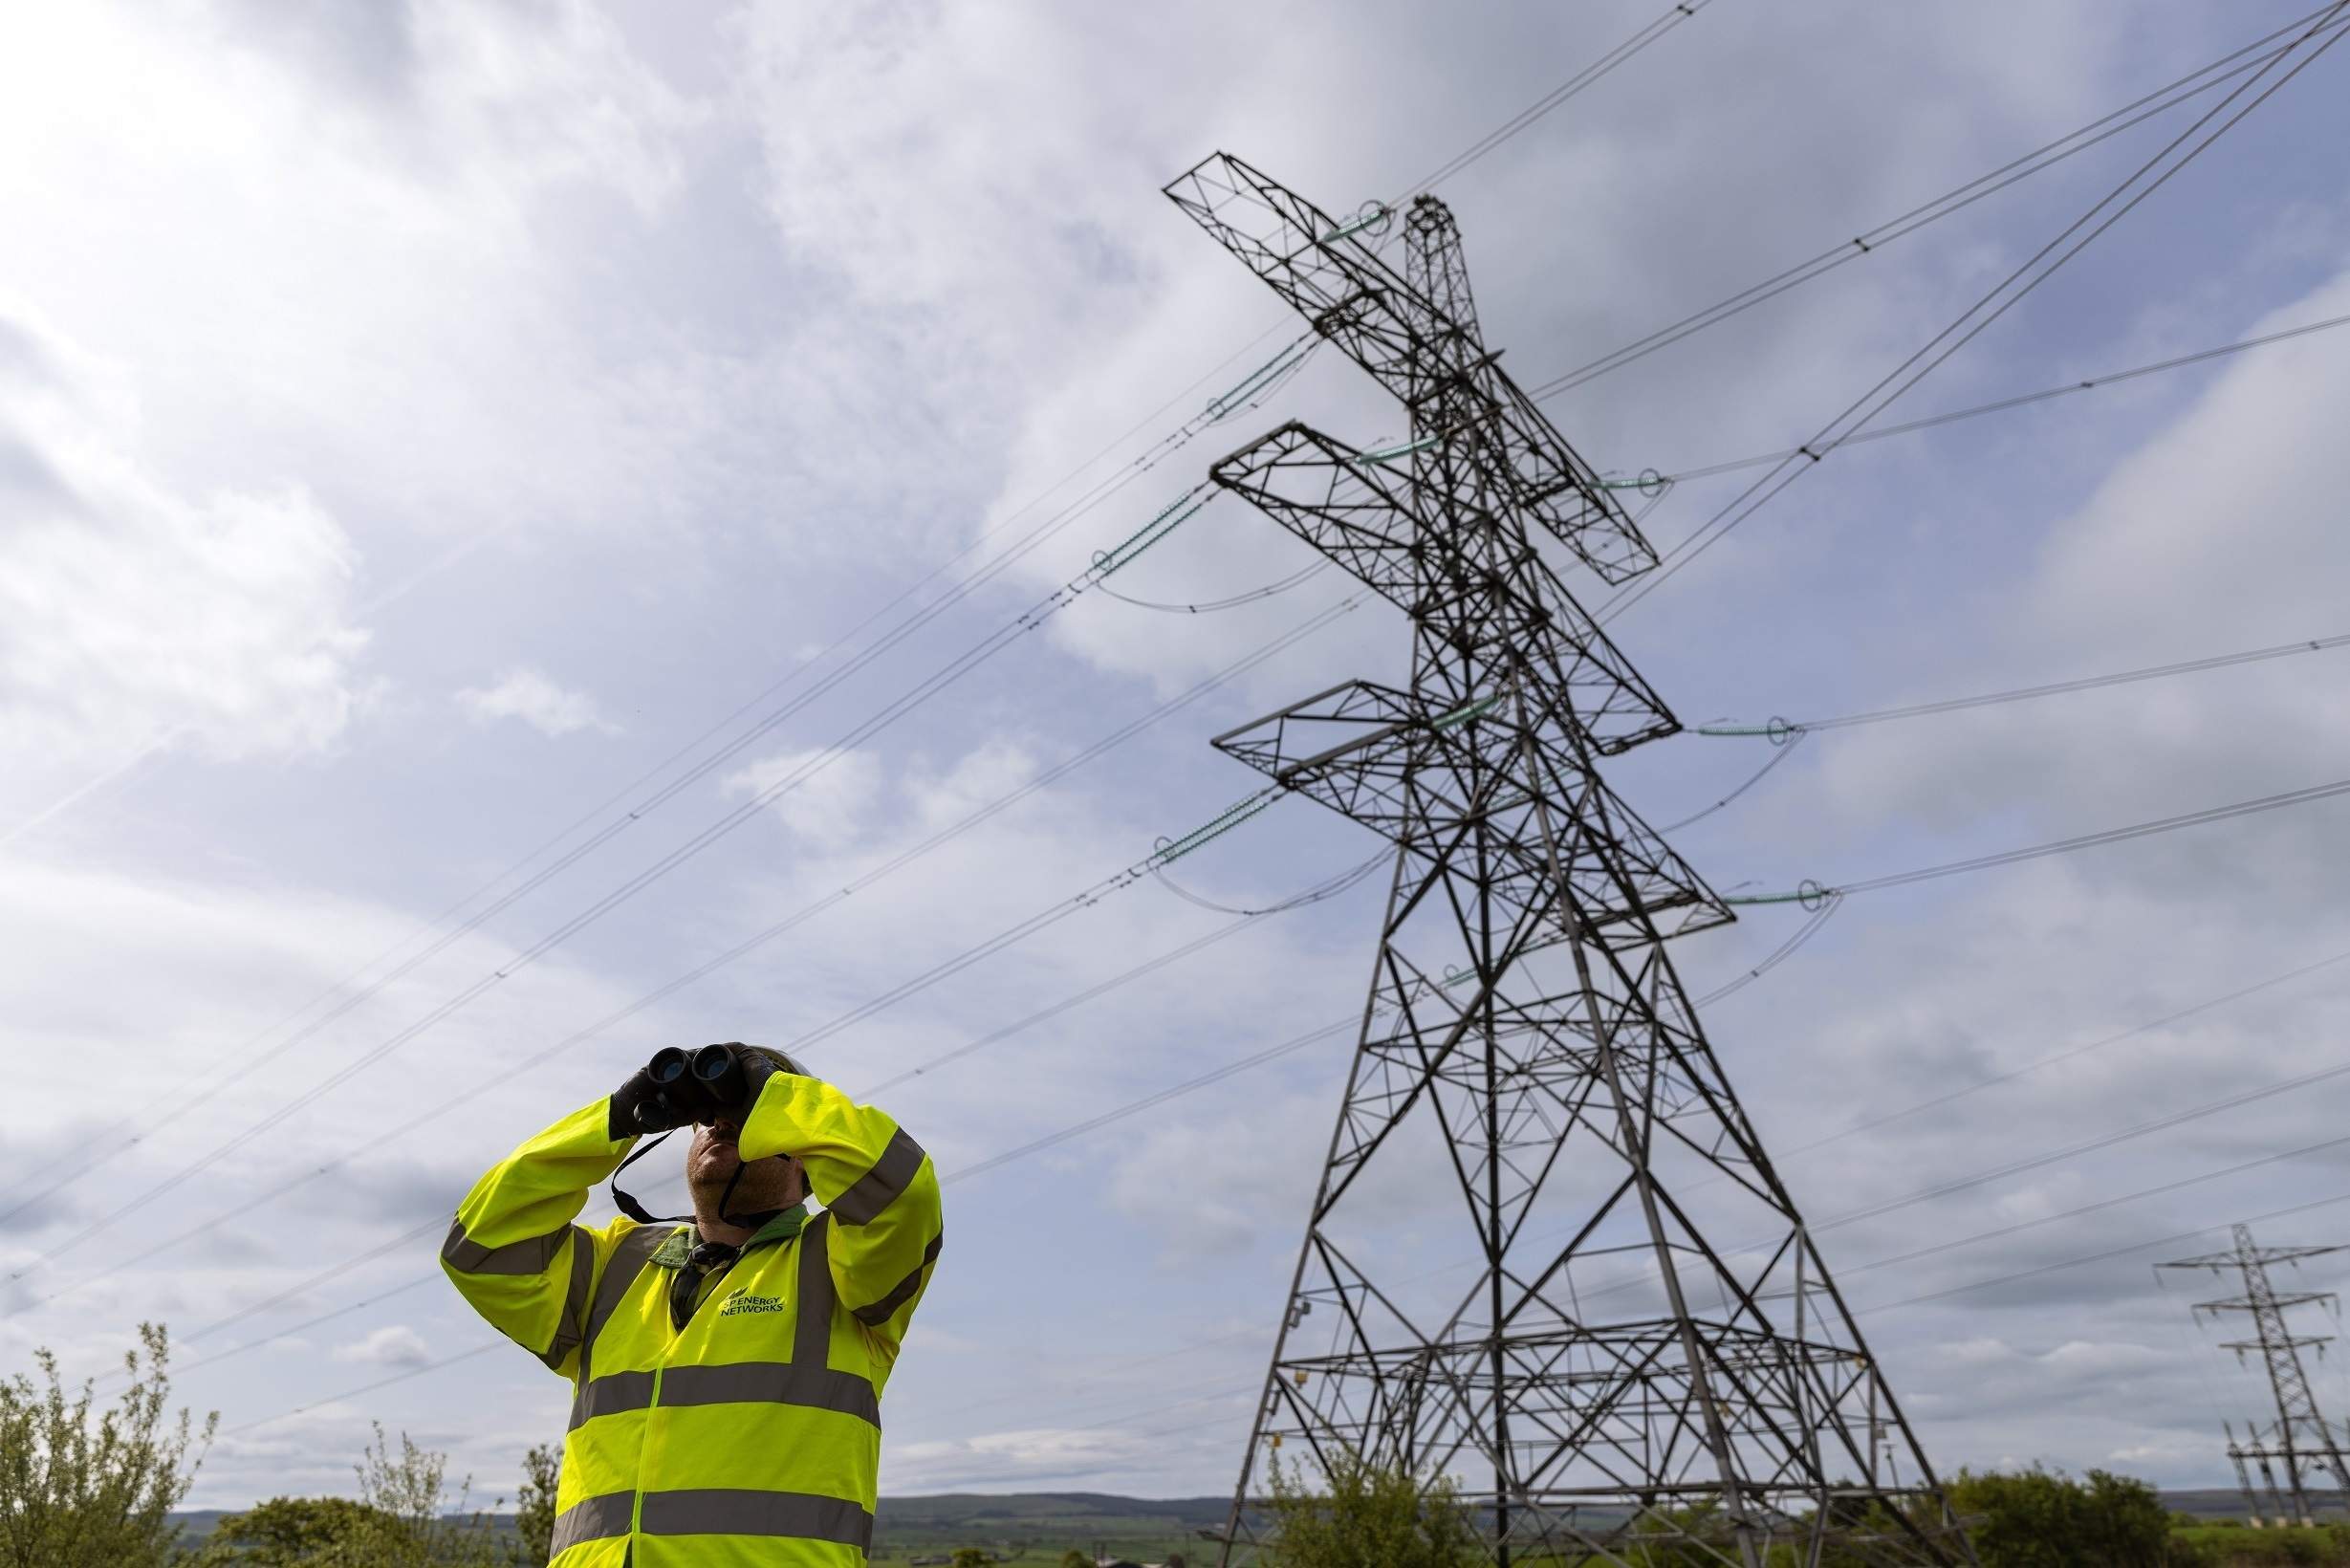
[(752, 1437)]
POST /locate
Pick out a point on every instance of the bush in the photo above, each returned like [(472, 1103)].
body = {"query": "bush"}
[(2042, 1519), (404, 1517), (286, 1531), (1372, 1513), (85, 1487)]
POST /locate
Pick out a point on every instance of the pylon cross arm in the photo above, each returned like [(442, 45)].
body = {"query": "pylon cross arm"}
[(1397, 334), (1390, 762), (1369, 519)]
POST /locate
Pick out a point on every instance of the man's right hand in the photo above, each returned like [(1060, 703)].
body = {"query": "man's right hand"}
[(640, 1106)]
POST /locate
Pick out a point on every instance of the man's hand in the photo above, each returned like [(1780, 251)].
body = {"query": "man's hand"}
[(644, 1104)]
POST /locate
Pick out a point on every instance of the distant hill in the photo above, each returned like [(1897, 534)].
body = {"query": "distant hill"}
[(916, 1524)]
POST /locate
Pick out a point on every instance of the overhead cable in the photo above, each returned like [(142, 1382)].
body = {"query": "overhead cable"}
[(1812, 892), (2019, 400), (1664, 24), (2161, 101), (2257, 88), (1781, 731)]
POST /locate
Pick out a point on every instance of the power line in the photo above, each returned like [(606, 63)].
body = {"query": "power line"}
[(2042, 265), (2134, 113), (2074, 1052), (2018, 400), (440, 1365), (1785, 729), (1810, 892), (1557, 95), (2109, 1253)]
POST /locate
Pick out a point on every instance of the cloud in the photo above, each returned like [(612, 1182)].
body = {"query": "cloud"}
[(131, 610), (1028, 1454), (394, 1344), (827, 808), (527, 695)]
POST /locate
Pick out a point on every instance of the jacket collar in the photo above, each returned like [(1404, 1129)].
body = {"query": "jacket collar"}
[(674, 1251)]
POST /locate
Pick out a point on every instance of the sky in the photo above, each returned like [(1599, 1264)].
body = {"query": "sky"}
[(483, 492)]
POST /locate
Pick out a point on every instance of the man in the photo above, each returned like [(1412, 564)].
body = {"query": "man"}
[(729, 1372)]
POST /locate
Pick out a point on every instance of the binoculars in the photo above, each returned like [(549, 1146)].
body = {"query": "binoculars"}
[(694, 1085)]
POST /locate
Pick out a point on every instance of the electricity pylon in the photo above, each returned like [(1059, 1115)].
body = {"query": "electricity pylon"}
[(1680, 1376), (2303, 1444)]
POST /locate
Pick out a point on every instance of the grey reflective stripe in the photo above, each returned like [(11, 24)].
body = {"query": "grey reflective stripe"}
[(463, 1253), (813, 1333), (877, 1313), (611, 1394), (593, 1519), (879, 1188), (571, 1326), (814, 1385), (718, 1512), (628, 1260)]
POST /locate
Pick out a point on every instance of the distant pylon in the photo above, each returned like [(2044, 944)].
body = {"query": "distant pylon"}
[(1669, 1374), (2303, 1444)]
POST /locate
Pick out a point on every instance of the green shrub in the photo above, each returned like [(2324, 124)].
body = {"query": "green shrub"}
[(1371, 1513), (2042, 1519)]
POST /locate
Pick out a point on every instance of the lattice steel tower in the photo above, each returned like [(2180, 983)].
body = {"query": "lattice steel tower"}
[(1672, 1364), (2303, 1444)]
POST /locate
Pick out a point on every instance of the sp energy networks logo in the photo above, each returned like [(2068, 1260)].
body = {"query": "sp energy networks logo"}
[(739, 1302)]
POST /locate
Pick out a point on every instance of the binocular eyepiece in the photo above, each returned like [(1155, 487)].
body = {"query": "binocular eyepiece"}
[(697, 1084)]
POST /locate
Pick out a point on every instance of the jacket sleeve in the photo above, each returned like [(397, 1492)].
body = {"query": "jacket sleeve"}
[(512, 1251), (877, 1184)]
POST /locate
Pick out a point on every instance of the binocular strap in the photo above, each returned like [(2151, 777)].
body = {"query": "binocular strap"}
[(635, 1211), (628, 1205)]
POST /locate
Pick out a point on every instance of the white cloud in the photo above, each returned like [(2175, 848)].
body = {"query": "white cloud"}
[(394, 1344), (130, 610), (527, 695), (829, 806), (1031, 1453)]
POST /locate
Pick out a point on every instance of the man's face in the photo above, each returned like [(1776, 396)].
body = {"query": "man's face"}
[(710, 1162)]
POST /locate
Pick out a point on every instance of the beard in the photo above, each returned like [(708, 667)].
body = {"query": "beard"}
[(767, 1183)]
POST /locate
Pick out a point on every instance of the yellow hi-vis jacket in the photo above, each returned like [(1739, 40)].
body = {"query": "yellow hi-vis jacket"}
[(752, 1436)]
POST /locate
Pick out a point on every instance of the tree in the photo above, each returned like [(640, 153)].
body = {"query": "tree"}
[(288, 1532), (85, 1487), (2042, 1519), (1372, 1513), (411, 1521), (1075, 1558), (534, 1503), (970, 1556)]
